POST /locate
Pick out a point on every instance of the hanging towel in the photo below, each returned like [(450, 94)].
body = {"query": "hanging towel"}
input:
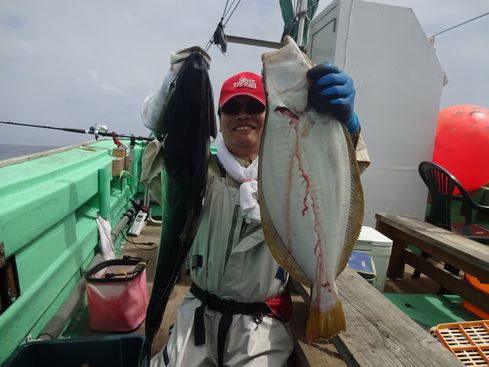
[(246, 176)]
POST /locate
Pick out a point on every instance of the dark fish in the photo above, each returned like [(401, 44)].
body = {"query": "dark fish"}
[(185, 126)]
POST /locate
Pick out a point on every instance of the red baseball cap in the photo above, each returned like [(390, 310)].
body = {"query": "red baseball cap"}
[(244, 83)]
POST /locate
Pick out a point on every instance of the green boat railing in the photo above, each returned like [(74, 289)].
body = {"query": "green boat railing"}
[(48, 230)]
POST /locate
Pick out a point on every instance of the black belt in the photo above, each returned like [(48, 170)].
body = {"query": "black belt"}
[(227, 308)]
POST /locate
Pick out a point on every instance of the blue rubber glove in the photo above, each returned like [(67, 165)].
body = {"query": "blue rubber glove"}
[(332, 91)]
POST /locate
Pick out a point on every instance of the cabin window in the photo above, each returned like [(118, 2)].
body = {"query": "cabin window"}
[(9, 281)]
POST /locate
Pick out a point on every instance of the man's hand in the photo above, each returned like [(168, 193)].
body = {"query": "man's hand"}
[(332, 91)]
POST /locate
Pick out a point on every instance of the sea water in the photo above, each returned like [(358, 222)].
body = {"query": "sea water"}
[(8, 151)]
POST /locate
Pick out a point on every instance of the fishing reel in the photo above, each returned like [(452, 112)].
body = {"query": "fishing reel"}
[(98, 129)]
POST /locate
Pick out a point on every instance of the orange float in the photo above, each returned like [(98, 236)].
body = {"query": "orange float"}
[(462, 144)]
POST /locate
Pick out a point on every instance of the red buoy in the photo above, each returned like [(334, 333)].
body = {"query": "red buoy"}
[(462, 144)]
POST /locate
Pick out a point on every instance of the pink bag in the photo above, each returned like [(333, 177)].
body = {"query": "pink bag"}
[(117, 294)]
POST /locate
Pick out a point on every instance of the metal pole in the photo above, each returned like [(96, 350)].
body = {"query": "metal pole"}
[(302, 21), (253, 42), (126, 218)]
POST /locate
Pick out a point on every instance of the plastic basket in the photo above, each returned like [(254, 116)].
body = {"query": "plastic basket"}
[(106, 351), (469, 341)]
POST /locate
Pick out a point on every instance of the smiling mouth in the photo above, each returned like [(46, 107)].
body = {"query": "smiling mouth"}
[(243, 128)]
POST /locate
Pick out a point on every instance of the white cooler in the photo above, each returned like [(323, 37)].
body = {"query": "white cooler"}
[(379, 247)]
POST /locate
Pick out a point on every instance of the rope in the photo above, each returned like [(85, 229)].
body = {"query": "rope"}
[(460, 24)]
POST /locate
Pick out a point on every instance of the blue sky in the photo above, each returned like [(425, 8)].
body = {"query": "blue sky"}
[(78, 63)]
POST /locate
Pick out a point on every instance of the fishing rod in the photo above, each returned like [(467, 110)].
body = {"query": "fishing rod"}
[(97, 130)]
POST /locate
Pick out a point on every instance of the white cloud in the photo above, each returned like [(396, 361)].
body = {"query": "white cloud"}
[(71, 64)]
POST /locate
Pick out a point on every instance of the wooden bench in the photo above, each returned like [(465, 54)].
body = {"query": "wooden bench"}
[(377, 333), (464, 254)]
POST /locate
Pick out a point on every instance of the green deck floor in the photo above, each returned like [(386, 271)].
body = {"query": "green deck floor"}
[(429, 310)]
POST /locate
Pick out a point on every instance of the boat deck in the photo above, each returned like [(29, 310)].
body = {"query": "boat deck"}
[(340, 351)]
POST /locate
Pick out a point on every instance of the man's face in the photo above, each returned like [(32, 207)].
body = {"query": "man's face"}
[(242, 119)]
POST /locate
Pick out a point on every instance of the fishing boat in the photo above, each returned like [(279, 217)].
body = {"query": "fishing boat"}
[(50, 201)]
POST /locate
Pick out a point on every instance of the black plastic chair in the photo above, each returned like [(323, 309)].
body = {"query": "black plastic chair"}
[(441, 185)]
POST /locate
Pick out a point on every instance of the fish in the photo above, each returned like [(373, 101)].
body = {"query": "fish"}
[(185, 125), (310, 194)]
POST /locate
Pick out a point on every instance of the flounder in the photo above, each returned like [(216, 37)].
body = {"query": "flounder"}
[(310, 194)]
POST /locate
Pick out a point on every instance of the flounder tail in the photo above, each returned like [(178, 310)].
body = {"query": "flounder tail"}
[(322, 325)]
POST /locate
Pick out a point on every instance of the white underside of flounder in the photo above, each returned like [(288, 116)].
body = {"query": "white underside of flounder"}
[(310, 192)]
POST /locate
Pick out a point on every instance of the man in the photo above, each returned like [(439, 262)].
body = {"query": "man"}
[(237, 309)]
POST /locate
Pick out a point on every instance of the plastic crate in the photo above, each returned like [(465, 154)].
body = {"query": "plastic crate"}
[(105, 351), (469, 341)]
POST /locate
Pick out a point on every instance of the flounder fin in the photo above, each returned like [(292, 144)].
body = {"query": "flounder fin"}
[(356, 207), (322, 325), (278, 249)]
